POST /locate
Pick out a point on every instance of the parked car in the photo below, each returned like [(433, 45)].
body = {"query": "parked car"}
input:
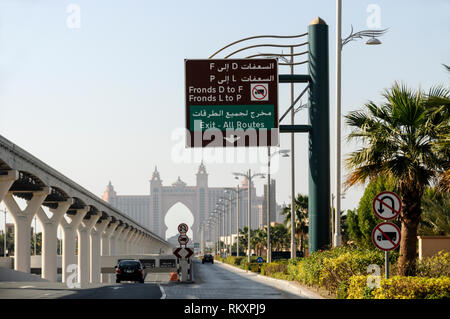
[(129, 270), (207, 258)]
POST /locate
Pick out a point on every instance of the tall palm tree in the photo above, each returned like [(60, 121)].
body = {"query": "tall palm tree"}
[(258, 239), (404, 139), (301, 220)]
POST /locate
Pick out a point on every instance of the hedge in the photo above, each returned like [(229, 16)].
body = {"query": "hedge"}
[(342, 271), (399, 287)]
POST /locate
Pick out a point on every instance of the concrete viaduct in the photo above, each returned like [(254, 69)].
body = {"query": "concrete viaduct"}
[(102, 230)]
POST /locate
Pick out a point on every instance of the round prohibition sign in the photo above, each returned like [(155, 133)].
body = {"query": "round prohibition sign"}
[(183, 239), (183, 228), (386, 236), (259, 92), (387, 205)]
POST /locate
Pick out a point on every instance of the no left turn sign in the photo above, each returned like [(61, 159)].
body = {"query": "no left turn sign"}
[(386, 236), (387, 205)]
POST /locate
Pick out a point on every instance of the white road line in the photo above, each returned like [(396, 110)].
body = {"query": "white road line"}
[(24, 287), (164, 296)]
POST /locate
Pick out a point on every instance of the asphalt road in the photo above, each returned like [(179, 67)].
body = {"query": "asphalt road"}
[(218, 281), (211, 281), (39, 289)]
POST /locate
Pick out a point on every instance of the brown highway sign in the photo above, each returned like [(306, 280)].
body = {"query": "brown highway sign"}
[(231, 102)]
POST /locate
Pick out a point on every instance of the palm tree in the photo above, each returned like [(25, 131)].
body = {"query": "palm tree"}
[(436, 213), (404, 139), (301, 220), (258, 240), (243, 238), (279, 238)]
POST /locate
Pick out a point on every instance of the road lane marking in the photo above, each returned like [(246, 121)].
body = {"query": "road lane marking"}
[(164, 296)]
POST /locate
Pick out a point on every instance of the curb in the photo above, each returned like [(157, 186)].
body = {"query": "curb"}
[(288, 285)]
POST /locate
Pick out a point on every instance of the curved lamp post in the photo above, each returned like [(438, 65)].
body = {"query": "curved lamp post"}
[(372, 40), (249, 177), (237, 191), (288, 60), (284, 153)]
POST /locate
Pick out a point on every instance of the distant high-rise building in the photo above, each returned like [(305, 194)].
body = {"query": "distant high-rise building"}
[(273, 203)]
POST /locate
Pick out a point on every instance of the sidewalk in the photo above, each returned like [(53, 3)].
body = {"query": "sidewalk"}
[(285, 285)]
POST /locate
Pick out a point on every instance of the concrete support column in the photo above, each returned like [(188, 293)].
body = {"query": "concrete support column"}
[(140, 243), (6, 182), (128, 239), (69, 233), (131, 238), (134, 242), (106, 246), (22, 226), (122, 240), (84, 231), (50, 239), (146, 247), (114, 247), (95, 238)]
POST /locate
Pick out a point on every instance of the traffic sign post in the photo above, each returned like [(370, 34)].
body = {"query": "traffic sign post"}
[(386, 236), (231, 102), (183, 240), (183, 253), (387, 205), (183, 228)]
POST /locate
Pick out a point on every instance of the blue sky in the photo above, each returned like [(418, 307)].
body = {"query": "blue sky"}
[(101, 102)]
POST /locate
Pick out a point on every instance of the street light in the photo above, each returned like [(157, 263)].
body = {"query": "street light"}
[(230, 202), (237, 191), (216, 218), (249, 177), (371, 34), (285, 153), (221, 211)]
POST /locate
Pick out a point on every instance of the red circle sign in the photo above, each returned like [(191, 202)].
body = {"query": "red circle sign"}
[(183, 239), (387, 205), (183, 228), (386, 236), (259, 92)]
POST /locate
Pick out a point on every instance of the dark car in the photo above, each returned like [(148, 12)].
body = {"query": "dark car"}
[(130, 270), (208, 259)]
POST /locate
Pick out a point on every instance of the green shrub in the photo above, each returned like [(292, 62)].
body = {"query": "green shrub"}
[(278, 267), (254, 267), (399, 287), (435, 266), (336, 271), (331, 269)]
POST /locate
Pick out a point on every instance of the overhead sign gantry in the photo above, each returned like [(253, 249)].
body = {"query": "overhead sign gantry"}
[(231, 102)]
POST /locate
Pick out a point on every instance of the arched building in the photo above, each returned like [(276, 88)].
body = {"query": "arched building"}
[(200, 199)]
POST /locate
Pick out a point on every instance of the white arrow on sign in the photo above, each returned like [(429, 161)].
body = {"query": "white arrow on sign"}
[(232, 138), (183, 252)]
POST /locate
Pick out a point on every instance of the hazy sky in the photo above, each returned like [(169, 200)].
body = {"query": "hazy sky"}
[(100, 100)]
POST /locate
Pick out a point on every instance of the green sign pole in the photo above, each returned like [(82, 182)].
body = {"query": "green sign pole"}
[(319, 136)]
